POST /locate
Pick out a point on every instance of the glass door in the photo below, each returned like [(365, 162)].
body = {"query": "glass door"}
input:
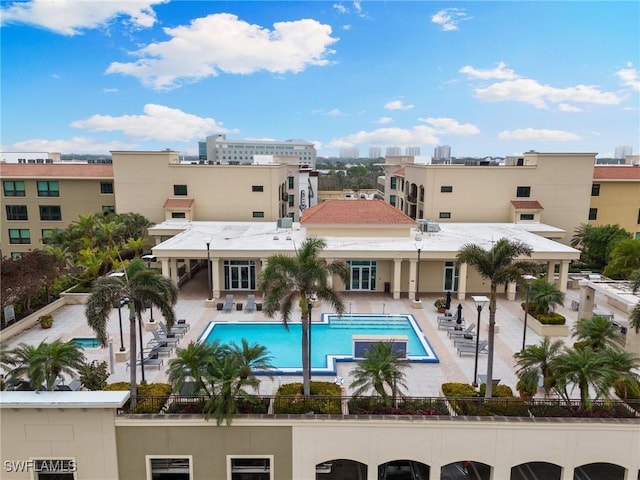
[(363, 275)]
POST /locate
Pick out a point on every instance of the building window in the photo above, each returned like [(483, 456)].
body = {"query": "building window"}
[(445, 215), (291, 200), (108, 209), (639, 216), (178, 215), (50, 213), (48, 188), (392, 200), (421, 195), (523, 192), (54, 469), (257, 188), (163, 467), (19, 236), (13, 189), (593, 213), (526, 216), (16, 255), (393, 184), (253, 467), (180, 190), (290, 182), (16, 212), (595, 190), (106, 187), (446, 188), (47, 234), (258, 214)]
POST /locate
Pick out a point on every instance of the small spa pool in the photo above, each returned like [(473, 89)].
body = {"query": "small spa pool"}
[(86, 342), (332, 339)]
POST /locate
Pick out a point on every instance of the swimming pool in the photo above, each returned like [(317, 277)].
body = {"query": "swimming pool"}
[(331, 339), (86, 342)]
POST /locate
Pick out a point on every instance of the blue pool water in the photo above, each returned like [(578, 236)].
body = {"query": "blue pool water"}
[(331, 339), (86, 342)]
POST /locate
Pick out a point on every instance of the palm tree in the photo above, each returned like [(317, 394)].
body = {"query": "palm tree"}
[(381, 369), (596, 332), (251, 358), (498, 265), (191, 363), (634, 319), (286, 280), (46, 362), (539, 357), (143, 287), (624, 258), (544, 296)]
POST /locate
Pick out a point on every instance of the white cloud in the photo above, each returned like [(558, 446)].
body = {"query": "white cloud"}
[(418, 135), (449, 126), (70, 17), (397, 105), (538, 95), (384, 120), (223, 43), (340, 8), (538, 134), (449, 18), (346, 27), (110, 90), (72, 145), (158, 122), (500, 72), (629, 77), (566, 107), (335, 113)]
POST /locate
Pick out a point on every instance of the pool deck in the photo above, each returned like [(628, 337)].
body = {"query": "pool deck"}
[(422, 379)]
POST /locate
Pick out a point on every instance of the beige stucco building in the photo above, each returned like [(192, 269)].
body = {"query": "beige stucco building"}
[(615, 197), (551, 188), (39, 198)]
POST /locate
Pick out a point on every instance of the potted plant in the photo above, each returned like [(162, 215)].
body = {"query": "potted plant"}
[(46, 321), (527, 383), (440, 304)]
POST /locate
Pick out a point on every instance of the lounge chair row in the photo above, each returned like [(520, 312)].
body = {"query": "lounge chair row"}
[(471, 347), (450, 322), (250, 307)]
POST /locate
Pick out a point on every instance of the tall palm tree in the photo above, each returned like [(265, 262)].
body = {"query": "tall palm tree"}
[(624, 258), (287, 280), (539, 357), (381, 370), (191, 363), (143, 287), (44, 363), (499, 265), (634, 319)]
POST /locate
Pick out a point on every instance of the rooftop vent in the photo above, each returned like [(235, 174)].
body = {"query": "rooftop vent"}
[(285, 222), (426, 225)]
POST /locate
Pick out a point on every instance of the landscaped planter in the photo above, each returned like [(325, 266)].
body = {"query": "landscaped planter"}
[(545, 330)]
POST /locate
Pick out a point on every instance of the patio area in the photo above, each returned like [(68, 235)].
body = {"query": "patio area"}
[(422, 379)]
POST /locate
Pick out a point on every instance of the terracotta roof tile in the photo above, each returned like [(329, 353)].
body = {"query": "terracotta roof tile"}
[(616, 172), (371, 212), (399, 172), (66, 170), (526, 205), (178, 203)]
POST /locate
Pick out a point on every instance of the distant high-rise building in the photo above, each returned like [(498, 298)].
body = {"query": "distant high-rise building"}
[(393, 152), (202, 150), (349, 152), (375, 152), (235, 152), (415, 151), (622, 151), (442, 152)]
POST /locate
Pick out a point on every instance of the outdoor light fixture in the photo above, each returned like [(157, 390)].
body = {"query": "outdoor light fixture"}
[(419, 247), (207, 242), (480, 301), (149, 259), (119, 304), (309, 308), (528, 279)]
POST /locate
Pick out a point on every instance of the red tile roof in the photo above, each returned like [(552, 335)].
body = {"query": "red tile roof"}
[(616, 172), (526, 205), (399, 172), (178, 203), (60, 170), (371, 212)]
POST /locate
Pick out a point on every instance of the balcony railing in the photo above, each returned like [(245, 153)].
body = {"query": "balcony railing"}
[(357, 407)]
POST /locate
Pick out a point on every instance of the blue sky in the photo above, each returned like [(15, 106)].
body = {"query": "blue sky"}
[(487, 78)]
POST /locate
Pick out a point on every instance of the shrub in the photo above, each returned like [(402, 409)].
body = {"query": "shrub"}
[(458, 390), (499, 390), (151, 396), (508, 407), (375, 406), (94, 375), (440, 302), (315, 388), (551, 318), (290, 399)]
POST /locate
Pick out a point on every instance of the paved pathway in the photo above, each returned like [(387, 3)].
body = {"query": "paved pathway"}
[(422, 379)]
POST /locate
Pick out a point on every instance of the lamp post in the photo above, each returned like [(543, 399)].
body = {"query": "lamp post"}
[(207, 242), (309, 308), (143, 381), (419, 247), (120, 304), (528, 279), (480, 301)]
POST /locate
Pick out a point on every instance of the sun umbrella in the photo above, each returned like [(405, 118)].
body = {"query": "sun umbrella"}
[(459, 315), (448, 305)]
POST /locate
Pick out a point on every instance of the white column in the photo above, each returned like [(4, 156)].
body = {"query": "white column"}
[(173, 270), (165, 267), (550, 271), (330, 277), (412, 278), (215, 277), (564, 275), (397, 264), (462, 281), (587, 299), (511, 291)]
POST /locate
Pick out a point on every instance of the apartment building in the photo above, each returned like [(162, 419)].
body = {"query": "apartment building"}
[(159, 186), (549, 188), (221, 150), (38, 198), (615, 196)]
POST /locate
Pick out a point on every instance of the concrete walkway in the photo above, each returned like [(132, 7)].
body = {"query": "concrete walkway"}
[(421, 379)]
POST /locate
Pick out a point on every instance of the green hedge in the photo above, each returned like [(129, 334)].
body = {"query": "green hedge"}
[(151, 396), (459, 390), (290, 399), (551, 318)]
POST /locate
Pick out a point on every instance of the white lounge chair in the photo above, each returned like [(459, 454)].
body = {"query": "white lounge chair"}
[(251, 304), (471, 348), (228, 303), (462, 333), (176, 330), (163, 339)]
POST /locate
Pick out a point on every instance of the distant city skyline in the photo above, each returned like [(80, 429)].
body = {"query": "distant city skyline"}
[(486, 78)]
